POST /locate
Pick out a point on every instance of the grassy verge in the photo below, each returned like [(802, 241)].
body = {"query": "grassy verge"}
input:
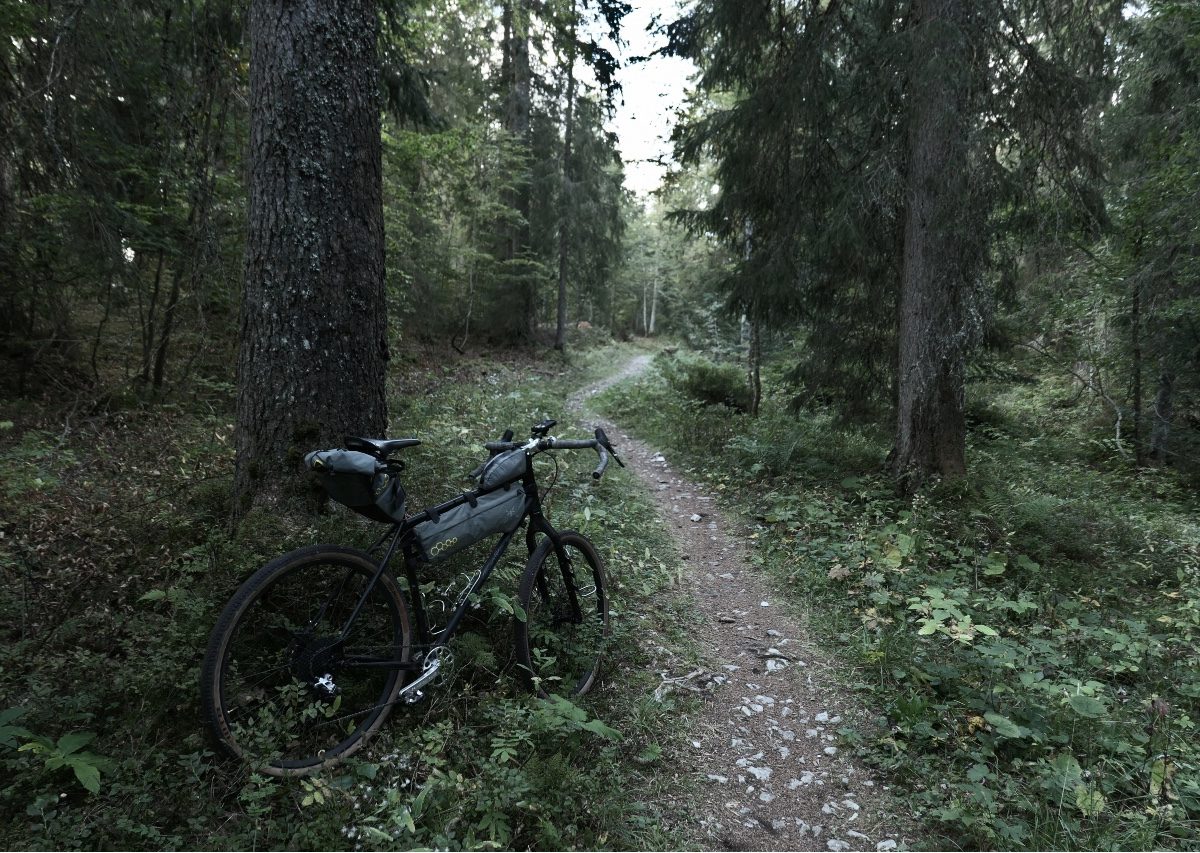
[(1028, 637), (116, 558)]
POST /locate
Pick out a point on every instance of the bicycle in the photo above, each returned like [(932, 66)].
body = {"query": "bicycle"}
[(311, 653)]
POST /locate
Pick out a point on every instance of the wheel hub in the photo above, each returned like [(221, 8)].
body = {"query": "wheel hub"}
[(317, 662)]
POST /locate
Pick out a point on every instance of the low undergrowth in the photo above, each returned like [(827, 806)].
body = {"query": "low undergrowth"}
[(1027, 637), (117, 556)]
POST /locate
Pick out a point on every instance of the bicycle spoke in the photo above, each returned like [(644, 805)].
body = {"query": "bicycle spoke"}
[(288, 697), (561, 642)]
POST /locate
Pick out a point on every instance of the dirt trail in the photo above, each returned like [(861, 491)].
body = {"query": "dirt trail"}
[(771, 773)]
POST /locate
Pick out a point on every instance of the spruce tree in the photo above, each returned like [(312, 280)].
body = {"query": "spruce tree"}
[(876, 147), (313, 346)]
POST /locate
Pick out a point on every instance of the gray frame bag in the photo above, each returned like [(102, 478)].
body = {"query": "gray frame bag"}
[(359, 481), (481, 516)]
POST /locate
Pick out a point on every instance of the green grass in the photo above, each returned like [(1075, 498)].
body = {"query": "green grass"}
[(1026, 638), (116, 558)]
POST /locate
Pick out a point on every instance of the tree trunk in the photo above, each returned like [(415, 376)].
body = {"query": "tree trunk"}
[(653, 305), (147, 315), (564, 212), (518, 81), (313, 346), (755, 353), (1164, 407), (164, 340), (1135, 330), (755, 362), (942, 250)]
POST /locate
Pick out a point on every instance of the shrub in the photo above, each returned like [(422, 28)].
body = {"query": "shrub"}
[(707, 381)]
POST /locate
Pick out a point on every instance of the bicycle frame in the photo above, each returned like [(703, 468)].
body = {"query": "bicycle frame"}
[(400, 536)]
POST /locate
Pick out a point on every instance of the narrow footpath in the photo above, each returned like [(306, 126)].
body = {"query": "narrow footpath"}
[(772, 775)]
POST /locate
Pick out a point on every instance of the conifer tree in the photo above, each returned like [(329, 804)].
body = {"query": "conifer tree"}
[(875, 147), (313, 324)]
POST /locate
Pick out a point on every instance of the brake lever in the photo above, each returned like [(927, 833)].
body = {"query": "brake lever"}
[(607, 445)]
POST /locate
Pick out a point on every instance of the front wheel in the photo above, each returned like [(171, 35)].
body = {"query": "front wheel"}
[(289, 682), (560, 641)]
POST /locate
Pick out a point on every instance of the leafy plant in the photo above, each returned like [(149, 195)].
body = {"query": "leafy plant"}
[(68, 751)]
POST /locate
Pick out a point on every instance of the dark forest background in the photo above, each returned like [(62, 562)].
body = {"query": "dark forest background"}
[(928, 277)]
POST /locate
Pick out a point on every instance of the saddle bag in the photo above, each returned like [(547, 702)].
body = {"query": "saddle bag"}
[(359, 481), (495, 512)]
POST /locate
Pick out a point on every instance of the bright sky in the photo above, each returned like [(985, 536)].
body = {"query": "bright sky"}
[(651, 93)]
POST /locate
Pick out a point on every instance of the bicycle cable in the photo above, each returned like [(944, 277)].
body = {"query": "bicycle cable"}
[(553, 480)]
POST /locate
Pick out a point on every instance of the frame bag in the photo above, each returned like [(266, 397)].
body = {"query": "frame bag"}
[(495, 512), (359, 481)]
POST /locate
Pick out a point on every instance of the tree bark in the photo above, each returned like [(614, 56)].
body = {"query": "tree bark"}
[(1164, 408), (1135, 330), (653, 304), (942, 249), (755, 363), (313, 346), (518, 81), (564, 212)]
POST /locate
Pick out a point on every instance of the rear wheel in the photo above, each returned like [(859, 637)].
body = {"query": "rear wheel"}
[(284, 684), (559, 646)]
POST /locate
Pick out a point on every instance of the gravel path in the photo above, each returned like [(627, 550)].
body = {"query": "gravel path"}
[(771, 773)]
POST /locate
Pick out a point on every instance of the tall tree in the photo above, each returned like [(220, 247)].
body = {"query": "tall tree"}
[(878, 147), (1157, 206), (517, 80), (313, 345), (942, 244), (560, 328)]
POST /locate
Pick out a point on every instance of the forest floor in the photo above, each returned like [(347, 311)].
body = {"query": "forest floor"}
[(1014, 655), (769, 771)]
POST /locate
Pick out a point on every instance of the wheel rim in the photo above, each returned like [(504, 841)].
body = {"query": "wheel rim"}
[(564, 653), (290, 695)]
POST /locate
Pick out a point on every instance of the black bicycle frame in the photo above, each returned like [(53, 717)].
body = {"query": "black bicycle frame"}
[(538, 523)]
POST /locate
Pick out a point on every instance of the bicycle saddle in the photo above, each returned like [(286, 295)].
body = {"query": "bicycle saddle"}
[(379, 447)]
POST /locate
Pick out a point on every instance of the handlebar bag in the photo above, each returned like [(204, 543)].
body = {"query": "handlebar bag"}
[(503, 468), (359, 481), (495, 512)]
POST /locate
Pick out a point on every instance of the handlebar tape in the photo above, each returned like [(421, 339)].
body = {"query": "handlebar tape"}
[(603, 463)]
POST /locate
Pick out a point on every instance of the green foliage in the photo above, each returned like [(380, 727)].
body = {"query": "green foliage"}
[(115, 571), (68, 752), (33, 463), (1028, 637), (706, 381)]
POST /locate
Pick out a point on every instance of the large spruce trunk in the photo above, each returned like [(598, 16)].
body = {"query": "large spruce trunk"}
[(518, 320), (313, 346), (564, 205), (942, 246)]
